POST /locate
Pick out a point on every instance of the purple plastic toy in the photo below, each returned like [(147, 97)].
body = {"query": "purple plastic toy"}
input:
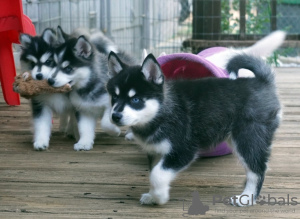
[(186, 65)]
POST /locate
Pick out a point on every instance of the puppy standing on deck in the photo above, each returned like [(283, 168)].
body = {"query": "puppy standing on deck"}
[(174, 120), (80, 64), (37, 57)]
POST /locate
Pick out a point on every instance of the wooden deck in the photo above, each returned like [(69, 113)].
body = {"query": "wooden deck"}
[(107, 182)]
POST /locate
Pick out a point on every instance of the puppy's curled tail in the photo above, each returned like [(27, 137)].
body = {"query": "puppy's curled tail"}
[(258, 66)]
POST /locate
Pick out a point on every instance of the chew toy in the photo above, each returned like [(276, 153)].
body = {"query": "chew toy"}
[(27, 87)]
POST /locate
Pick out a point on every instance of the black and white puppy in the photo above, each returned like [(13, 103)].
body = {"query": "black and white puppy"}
[(81, 65), (174, 120), (37, 53), (37, 57)]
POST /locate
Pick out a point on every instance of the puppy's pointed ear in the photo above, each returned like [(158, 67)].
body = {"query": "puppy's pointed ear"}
[(115, 65), (152, 71), (144, 54), (162, 54), (25, 40), (83, 48), (61, 35), (49, 36)]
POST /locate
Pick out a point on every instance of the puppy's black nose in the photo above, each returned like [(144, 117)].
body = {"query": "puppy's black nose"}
[(116, 117), (51, 81), (39, 76)]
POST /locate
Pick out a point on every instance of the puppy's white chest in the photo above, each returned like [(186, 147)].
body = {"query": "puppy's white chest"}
[(57, 102)]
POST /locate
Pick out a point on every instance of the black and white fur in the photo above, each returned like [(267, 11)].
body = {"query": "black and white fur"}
[(37, 57), (37, 52), (80, 64), (174, 120)]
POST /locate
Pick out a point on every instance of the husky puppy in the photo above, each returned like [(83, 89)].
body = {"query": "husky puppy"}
[(173, 120), (37, 53), (37, 57), (80, 64)]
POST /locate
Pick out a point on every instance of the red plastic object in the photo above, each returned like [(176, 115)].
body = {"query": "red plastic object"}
[(12, 23)]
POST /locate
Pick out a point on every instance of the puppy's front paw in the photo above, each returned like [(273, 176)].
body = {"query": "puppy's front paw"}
[(147, 199), (154, 198), (83, 146), (40, 145), (242, 200), (129, 136)]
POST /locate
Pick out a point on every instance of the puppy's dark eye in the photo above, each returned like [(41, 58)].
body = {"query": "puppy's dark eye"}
[(32, 64), (135, 100), (49, 62), (114, 96), (68, 69)]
